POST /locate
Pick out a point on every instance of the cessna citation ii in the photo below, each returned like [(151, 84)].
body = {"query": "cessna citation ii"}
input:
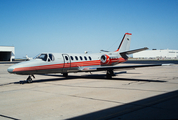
[(65, 63)]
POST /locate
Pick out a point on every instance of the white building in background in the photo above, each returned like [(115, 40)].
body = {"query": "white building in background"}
[(7, 53), (157, 54)]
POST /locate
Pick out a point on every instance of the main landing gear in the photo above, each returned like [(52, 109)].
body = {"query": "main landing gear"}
[(29, 79), (65, 74), (110, 73)]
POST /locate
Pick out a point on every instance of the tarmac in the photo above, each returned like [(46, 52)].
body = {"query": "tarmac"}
[(143, 93)]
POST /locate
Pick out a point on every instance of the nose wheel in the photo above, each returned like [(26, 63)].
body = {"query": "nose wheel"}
[(29, 79)]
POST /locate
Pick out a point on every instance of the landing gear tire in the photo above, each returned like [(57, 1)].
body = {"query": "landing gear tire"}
[(109, 74), (29, 79), (65, 74)]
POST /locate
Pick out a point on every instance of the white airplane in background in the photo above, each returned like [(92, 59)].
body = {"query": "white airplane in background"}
[(27, 58), (65, 63)]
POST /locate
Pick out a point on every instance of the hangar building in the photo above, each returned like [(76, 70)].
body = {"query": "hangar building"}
[(7, 53), (153, 54)]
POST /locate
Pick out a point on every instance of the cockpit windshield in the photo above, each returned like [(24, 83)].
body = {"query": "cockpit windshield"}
[(42, 56), (45, 57)]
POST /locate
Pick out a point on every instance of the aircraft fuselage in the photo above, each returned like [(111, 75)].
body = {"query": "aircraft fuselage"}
[(66, 63), (70, 62)]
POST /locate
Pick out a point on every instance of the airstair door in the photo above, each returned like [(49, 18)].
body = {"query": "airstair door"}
[(67, 62)]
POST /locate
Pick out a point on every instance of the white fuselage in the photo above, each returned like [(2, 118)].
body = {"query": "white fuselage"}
[(65, 63)]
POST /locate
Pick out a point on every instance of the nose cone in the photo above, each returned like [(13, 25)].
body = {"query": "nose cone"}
[(10, 69)]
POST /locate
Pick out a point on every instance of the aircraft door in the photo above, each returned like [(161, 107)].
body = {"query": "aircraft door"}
[(67, 62)]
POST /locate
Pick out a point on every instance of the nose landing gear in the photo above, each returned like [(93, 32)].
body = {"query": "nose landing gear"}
[(29, 79)]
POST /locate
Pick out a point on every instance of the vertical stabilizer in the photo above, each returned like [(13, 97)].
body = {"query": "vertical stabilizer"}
[(125, 43)]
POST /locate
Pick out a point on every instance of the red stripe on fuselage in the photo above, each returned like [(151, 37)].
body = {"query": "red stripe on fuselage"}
[(85, 63), (58, 66), (62, 65)]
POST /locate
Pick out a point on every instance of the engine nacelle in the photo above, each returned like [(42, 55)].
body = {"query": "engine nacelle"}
[(109, 59), (105, 60)]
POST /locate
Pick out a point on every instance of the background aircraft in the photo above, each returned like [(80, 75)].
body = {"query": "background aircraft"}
[(66, 63), (28, 58)]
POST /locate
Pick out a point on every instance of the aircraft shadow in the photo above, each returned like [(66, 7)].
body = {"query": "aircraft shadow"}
[(162, 106), (43, 80), (92, 76)]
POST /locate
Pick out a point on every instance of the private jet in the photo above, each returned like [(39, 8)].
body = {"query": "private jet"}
[(64, 63)]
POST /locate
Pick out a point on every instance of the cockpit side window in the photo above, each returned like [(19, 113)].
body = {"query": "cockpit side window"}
[(51, 57), (42, 56), (66, 58)]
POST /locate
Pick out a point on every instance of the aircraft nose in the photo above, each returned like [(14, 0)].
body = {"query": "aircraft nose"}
[(10, 69)]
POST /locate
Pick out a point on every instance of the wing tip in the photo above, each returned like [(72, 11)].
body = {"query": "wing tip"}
[(168, 64)]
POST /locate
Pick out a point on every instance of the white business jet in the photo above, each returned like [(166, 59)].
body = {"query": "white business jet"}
[(65, 63)]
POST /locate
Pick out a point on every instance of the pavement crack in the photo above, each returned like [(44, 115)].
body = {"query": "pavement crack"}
[(123, 88), (4, 116), (96, 99)]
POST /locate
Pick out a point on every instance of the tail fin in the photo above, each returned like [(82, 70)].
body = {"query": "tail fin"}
[(125, 43)]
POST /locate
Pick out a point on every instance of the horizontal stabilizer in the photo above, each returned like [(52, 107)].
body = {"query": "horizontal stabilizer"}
[(134, 51)]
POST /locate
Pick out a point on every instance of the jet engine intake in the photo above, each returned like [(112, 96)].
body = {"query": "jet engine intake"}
[(109, 60), (105, 59)]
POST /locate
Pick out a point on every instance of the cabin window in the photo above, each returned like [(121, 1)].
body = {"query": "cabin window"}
[(71, 58), (66, 58), (76, 57), (51, 57), (85, 57), (81, 58), (89, 58)]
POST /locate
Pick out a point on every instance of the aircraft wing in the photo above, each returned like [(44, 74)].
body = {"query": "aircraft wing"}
[(126, 67), (134, 51), (90, 69)]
